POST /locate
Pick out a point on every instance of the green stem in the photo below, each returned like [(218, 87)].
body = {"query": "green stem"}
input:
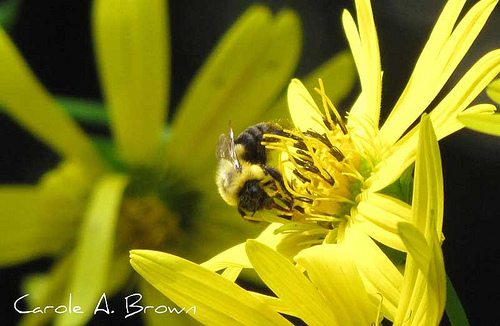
[(454, 309), (84, 111)]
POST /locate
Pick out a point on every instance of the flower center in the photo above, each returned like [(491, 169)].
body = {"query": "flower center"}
[(146, 222), (152, 215), (322, 170)]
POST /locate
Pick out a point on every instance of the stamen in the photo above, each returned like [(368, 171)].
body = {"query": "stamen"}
[(330, 108)]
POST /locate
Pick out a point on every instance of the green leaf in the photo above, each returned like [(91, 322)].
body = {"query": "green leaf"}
[(8, 12), (402, 188), (454, 308)]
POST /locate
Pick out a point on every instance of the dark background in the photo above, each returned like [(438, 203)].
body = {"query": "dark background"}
[(54, 37)]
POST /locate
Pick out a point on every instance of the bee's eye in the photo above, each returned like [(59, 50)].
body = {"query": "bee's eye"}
[(254, 189)]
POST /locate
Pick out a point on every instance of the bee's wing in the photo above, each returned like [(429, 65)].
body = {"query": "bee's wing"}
[(226, 150)]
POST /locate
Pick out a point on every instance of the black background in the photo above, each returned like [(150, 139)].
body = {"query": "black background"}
[(54, 37)]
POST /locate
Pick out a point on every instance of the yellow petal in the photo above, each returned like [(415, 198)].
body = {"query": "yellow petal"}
[(240, 79), (486, 123), (290, 285), (379, 274), (27, 102), (275, 303), (464, 92), (364, 46), (332, 270), (391, 167), (378, 215), (428, 193), (464, 35), (152, 297), (95, 246), (419, 90), (444, 117), (412, 294), (424, 282), (416, 245), (27, 230), (440, 57), (237, 257), (303, 110), (216, 301), (133, 56), (493, 90)]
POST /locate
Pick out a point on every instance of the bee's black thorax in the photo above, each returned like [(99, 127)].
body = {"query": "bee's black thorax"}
[(251, 138)]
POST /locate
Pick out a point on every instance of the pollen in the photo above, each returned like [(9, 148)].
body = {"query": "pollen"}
[(320, 168)]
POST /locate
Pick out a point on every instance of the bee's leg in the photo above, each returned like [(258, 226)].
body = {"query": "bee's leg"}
[(242, 213), (275, 174)]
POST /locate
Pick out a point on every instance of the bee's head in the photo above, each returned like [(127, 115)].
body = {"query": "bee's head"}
[(230, 180)]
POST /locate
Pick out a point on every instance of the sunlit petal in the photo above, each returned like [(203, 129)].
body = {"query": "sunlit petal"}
[(378, 215), (217, 301), (370, 75), (486, 123), (442, 54), (303, 110), (331, 268), (464, 92), (493, 90), (237, 257), (424, 283), (307, 302), (152, 297), (379, 275)]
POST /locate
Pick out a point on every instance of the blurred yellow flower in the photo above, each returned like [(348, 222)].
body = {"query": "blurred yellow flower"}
[(89, 211)]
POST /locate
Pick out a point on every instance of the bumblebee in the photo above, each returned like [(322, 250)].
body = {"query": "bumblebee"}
[(244, 178)]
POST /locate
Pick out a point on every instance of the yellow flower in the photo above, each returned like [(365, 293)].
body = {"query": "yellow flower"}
[(338, 173), (336, 170), (327, 283)]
